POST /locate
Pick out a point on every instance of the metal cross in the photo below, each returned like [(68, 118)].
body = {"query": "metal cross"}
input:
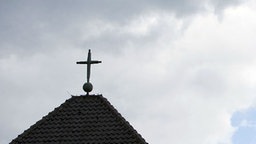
[(88, 86)]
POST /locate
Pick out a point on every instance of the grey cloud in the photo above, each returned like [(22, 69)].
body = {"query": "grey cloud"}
[(219, 5), (32, 26)]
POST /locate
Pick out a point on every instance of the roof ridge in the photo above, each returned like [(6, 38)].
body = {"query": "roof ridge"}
[(122, 118), (39, 122), (38, 131)]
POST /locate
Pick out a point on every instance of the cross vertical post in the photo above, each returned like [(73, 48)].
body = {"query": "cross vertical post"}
[(88, 86)]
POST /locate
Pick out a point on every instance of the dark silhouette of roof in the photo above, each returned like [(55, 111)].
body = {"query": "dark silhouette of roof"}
[(89, 119)]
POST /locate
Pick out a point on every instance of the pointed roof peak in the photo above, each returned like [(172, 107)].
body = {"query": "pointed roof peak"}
[(82, 119)]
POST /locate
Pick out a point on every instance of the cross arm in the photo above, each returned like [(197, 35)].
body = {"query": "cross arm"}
[(90, 62), (82, 62), (95, 62)]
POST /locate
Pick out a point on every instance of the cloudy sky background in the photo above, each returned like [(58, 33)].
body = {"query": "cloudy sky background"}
[(180, 72)]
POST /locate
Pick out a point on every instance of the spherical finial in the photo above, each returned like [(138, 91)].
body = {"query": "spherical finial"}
[(87, 87)]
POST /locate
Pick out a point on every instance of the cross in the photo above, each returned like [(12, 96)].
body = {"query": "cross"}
[(88, 86)]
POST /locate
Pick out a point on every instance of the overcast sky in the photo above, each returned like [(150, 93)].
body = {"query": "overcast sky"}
[(180, 71)]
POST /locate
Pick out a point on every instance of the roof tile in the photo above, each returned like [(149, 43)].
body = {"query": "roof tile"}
[(89, 119)]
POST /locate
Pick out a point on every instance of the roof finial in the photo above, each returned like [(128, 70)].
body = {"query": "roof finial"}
[(88, 86)]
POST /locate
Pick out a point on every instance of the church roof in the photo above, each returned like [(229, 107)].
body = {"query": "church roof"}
[(89, 119)]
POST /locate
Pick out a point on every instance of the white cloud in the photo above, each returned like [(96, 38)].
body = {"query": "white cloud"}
[(202, 85)]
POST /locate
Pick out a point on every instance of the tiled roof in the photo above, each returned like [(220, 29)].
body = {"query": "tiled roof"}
[(87, 119)]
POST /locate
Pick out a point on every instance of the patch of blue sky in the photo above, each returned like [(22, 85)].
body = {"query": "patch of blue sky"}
[(245, 122)]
